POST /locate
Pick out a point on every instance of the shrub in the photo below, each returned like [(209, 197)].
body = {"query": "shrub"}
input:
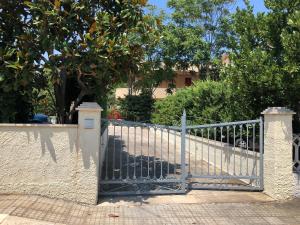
[(205, 102), (137, 108)]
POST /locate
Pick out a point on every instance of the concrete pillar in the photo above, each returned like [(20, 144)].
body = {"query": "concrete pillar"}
[(89, 130), (278, 140)]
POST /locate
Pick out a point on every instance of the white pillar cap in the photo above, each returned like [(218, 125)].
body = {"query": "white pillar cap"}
[(89, 106), (278, 111)]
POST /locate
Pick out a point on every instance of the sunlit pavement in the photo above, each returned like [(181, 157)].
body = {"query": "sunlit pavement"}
[(197, 207)]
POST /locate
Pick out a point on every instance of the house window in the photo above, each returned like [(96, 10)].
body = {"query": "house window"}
[(188, 81)]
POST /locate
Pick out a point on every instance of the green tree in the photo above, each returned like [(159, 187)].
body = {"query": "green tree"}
[(284, 23), (264, 70), (152, 71), (195, 35), (19, 72), (82, 48), (96, 42), (148, 76)]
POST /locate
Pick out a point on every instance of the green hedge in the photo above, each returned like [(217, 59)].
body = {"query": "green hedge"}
[(205, 102), (137, 108)]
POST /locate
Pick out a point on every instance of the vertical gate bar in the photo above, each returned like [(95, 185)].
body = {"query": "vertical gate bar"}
[(241, 148), (106, 156), (257, 162), (154, 157), (168, 151), (189, 132), (254, 159), (101, 149), (247, 152), (141, 151), (228, 149), (161, 153), (195, 136), (221, 130), (134, 154), (215, 151), (202, 152), (175, 151), (114, 154), (121, 153), (296, 154), (261, 152), (183, 137), (234, 150), (208, 148), (148, 148), (256, 168), (107, 133), (128, 131)]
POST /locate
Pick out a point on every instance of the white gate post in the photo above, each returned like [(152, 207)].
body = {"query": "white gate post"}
[(278, 140), (182, 150), (89, 131)]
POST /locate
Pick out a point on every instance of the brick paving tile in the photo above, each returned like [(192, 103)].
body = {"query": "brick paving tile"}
[(63, 212), (289, 220), (273, 220)]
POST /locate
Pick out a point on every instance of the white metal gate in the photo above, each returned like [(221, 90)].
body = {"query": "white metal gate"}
[(139, 160), (225, 155), (143, 158)]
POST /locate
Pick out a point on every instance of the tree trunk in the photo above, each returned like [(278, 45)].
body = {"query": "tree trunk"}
[(60, 96), (298, 112), (83, 92), (74, 106)]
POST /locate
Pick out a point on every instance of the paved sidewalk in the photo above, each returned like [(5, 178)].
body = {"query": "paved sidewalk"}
[(218, 208)]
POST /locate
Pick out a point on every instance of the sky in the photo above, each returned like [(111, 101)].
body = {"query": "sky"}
[(258, 5)]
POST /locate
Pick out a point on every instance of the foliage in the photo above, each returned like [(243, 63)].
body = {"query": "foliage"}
[(82, 48), (205, 102), (190, 40), (264, 69), (153, 71), (265, 59), (18, 71), (195, 35), (44, 102), (137, 107), (55, 54)]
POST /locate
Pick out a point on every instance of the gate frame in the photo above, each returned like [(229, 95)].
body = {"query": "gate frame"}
[(259, 177), (184, 177), (155, 181), (183, 150)]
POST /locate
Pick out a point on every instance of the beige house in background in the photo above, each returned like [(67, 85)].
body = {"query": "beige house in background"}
[(182, 79)]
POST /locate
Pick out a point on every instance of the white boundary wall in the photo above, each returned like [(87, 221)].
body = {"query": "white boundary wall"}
[(58, 161)]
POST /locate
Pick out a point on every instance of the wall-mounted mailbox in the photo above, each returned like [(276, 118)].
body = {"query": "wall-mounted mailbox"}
[(89, 124)]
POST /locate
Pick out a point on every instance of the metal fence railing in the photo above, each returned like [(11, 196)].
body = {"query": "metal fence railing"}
[(226, 155), (141, 158), (296, 153)]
